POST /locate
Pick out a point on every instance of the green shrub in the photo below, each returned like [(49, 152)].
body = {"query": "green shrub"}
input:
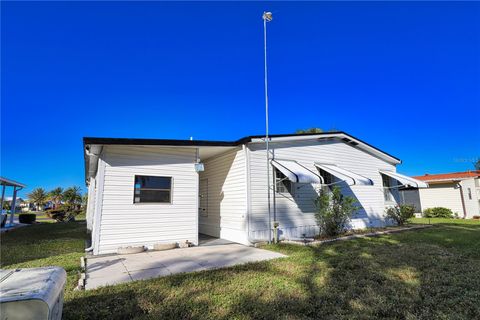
[(64, 213), (27, 218), (334, 212), (400, 214), (438, 212)]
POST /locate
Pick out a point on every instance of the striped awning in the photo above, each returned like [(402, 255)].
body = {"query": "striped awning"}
[(295, 172), (405, 180), (349, 177)]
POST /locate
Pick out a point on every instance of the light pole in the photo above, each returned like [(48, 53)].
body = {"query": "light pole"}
[(267, 17)]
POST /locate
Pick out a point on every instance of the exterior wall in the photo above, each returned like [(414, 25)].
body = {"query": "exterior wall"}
[(224, 179), (296, 213), (471, 205), (442, 195), (446, 195), (123, 223)]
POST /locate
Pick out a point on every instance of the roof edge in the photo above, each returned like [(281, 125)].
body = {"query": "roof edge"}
[(214, 143)]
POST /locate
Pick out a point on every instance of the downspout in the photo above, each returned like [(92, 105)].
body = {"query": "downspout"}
[(463, 200)]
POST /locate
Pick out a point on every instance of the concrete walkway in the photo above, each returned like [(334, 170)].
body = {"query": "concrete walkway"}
[(115, 269)]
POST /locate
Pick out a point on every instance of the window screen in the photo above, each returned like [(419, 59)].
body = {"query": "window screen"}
[(282, 183), (386, 188), (152, 189), (327, 177)]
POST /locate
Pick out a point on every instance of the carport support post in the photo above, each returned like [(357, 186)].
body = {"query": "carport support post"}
[(14, 204), (3, 197)]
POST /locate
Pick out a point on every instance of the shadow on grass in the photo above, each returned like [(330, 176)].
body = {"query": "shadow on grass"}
[(407, 275), (42, 241)]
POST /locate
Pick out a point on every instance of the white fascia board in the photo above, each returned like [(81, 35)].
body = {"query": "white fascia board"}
[(360, 144)]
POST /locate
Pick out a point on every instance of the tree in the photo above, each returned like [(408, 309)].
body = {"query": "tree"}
[(72, 197), (38, 197), (7, 205), (334, 211), (477, 164), (84, 202), (310, 130), (56, 196)]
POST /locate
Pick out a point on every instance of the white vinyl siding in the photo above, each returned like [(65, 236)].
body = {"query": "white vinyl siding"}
[(296, 213), (124, 223), (471, 205), (226, 207)]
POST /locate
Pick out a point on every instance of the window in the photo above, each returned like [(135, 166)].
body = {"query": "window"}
[(469, 193), (282, 183), (152, 189), (328, 179), (386, 188)]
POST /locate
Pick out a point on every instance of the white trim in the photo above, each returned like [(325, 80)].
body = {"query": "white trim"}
[(361, 144), (91, 203), (97, 217)]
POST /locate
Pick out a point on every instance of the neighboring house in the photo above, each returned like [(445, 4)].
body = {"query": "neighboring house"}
[(20, 203), (147, 191), (458, 191)]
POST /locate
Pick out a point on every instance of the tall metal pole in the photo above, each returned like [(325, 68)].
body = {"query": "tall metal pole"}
[(267, 16)]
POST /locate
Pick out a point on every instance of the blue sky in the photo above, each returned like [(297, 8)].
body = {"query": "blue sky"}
[(403, 76)]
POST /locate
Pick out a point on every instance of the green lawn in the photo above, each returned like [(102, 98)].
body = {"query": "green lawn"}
[(46, 244), (428, 274)]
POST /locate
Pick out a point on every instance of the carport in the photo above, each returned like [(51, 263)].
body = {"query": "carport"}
[(17, 186)]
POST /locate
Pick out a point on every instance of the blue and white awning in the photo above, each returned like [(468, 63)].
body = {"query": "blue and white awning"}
[(349, 177), (404, 180), (295, 172)]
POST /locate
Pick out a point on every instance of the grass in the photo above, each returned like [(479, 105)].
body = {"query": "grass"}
[(432, 273), (46, 244)]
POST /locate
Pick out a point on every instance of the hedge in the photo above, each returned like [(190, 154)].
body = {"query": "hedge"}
[(27, 218), (438, 212)]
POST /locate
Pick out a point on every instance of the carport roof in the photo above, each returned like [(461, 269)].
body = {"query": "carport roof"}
[(10, 183)]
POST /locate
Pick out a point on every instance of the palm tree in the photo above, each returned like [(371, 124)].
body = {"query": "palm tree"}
[(56, 196), (38, 197), (72, 197)]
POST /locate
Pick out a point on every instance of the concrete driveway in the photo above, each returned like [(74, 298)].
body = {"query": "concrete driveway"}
[(115, 269)]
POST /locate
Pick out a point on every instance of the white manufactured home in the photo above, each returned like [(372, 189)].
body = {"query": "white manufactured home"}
[(149, 191)]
